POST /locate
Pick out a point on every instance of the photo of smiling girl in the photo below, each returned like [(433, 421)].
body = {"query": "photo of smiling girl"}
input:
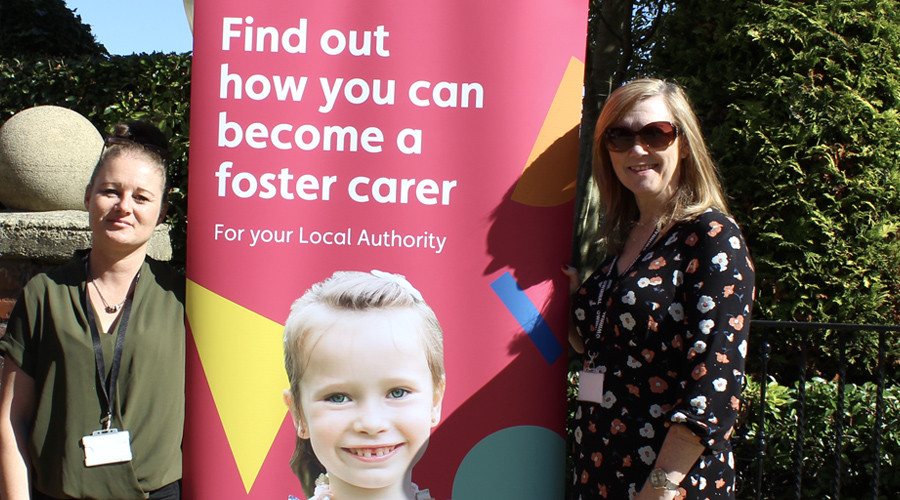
[(364, 356)]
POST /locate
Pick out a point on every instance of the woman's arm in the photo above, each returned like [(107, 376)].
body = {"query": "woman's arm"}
[(719, 289), (718, 298), (678, 454), (17, 403)]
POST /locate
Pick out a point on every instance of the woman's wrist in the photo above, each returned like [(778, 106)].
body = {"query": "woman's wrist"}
[(648, 492)]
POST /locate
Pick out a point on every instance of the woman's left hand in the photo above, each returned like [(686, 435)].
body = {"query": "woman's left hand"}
[(680, 451), (575, 340), (572, 274)]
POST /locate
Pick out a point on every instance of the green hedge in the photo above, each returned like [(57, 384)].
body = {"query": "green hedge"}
[(107, 90), (801, 104)]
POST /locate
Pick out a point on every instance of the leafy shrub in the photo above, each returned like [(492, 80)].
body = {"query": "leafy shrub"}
[(819, 435), (800, 102)]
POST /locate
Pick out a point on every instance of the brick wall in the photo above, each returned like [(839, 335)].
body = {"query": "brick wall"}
[(14, 273)]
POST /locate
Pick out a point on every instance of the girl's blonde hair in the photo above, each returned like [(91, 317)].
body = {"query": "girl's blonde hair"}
[(349, 291), (699, 187)]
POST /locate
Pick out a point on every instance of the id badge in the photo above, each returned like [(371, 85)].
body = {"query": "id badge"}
[(590, 386), (109, 446)]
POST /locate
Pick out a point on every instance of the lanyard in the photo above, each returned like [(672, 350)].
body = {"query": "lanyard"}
[(601, 317), (108, 386)]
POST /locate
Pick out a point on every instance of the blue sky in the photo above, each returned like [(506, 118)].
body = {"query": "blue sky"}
[(129, 26)]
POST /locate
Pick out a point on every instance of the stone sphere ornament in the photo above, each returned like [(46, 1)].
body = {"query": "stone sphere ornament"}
[(47, 154)]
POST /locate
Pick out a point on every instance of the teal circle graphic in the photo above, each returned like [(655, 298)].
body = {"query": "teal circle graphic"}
[(525, 463)]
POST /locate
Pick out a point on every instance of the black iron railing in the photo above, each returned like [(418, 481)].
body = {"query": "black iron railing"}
[(761, 331)]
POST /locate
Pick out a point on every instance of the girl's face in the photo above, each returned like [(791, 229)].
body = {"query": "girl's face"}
[(368, 401), (651, 175), (124, 202)]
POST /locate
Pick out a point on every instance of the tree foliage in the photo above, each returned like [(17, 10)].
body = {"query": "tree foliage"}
[(620, 34), (49, 57), (800, 101), (44, 28)]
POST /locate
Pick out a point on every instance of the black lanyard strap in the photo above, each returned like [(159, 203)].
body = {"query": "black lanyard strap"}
[(109, 386)]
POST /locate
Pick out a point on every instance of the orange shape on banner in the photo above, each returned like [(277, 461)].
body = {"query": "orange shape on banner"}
[(249, 404), (550, 173)]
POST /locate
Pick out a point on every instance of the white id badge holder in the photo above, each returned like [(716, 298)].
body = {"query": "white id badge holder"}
[(590, 386), (110, 446)]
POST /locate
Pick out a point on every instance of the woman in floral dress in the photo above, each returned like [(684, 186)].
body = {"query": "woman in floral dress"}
[(663, 323)]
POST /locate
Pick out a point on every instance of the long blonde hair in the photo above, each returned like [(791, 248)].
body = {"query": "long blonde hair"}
[(699, 188)]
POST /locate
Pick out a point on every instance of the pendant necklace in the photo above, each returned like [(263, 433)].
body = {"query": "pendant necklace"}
[(109, 309)]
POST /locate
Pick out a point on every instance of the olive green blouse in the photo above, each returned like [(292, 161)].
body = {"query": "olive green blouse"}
[(48, 338)]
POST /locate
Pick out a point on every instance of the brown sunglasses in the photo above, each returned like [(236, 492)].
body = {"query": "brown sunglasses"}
[(656, 136)]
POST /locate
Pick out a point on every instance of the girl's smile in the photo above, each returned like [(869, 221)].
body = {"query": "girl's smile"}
[(376, 454)]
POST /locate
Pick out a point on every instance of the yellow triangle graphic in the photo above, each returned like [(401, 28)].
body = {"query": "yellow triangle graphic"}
[(241, 353), (550, 173)]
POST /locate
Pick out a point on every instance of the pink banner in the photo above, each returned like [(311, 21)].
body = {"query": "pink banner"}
[(434, 139)]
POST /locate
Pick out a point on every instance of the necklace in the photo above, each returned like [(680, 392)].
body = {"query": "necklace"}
[(644, 248), (323, 490), (109, 309)]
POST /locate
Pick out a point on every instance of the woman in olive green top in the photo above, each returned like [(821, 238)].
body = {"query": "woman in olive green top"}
[(65, 430)]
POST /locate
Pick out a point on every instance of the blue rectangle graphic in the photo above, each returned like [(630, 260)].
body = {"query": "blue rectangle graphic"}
[(528, 316)]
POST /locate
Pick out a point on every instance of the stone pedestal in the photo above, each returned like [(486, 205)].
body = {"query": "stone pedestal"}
[(52, 237)]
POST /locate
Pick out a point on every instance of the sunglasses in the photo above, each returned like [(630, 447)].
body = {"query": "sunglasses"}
[(656, 135), (124, 141)]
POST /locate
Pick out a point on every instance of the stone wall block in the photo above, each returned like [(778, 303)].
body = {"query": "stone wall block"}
[(54, 236)]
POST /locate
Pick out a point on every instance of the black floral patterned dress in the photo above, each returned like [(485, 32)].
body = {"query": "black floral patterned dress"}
[(672, 348)]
